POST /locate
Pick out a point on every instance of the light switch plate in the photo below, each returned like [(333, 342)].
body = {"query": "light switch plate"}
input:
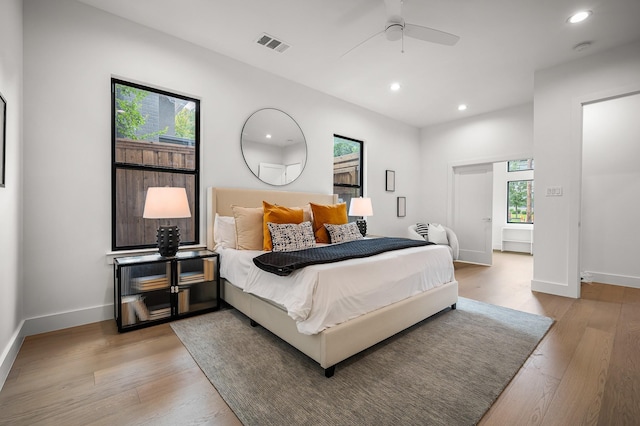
[(554, 191)]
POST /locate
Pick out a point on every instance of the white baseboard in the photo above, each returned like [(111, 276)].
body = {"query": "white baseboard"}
[(557, 289), (621, 280), (45, 324), (10, 353), (67, 319)]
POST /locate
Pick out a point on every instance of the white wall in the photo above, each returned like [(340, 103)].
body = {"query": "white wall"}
[(11, 299), (610, 191), (500, 179), (71, 52), (559, 93), (497, 136)]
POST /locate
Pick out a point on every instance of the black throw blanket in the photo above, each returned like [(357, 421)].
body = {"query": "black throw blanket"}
[(284, 263)]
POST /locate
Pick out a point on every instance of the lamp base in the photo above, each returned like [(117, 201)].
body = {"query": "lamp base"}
[(362, 226), (168, 240)]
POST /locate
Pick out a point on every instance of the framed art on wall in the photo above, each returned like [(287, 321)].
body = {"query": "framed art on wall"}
[(3, 137), (402, 206), (390, 181)]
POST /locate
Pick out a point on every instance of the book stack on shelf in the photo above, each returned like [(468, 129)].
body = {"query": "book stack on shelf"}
[(191, 277), (150, 282), (160, 312), (133, 307), (209, 269), (183, 301)]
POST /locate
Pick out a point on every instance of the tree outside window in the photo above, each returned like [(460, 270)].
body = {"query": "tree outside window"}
[(347, 168), (520, 201), (155, 139), (520, 165)]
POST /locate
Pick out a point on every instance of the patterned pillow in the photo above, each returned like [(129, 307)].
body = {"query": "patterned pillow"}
[(343, 233), (291, 236), (423, 229)]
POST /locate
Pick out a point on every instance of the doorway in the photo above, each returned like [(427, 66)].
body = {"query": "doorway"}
[(610, 185), (472, 212)]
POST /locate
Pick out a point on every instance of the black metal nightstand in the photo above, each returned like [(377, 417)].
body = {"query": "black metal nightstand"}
[(152, 289)]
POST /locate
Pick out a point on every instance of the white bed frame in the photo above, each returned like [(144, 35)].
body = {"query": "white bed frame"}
[(336, 343)]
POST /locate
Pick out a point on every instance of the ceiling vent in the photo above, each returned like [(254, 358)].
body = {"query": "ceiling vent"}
[(272, 43)]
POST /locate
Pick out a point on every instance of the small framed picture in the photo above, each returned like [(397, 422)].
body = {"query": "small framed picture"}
[(390, 181), (3, 137), (402, 206)]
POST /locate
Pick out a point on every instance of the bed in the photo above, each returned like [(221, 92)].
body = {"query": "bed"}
[(336, 342)]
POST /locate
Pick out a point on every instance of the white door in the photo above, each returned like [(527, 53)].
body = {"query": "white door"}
[(272, 173), (472, 209), (292, 172)]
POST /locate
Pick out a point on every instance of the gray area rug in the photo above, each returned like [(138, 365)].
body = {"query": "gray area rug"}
[(446, 370)]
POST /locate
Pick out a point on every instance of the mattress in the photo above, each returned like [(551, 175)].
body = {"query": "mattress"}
[(321, 296)]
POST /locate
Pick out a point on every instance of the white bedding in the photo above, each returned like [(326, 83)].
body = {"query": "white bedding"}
[(320, 296)]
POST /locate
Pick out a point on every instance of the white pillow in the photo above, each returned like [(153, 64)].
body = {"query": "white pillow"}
[(224, 232), (437, 234)]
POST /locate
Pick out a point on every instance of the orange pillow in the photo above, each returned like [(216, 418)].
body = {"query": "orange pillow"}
[(278, 214), (334, 214)]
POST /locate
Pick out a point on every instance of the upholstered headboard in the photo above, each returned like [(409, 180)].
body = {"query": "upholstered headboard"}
[(220, 200)]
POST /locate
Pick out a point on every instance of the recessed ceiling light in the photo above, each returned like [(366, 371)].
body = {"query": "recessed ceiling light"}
[(462, 107), (579, 16), (268, 136), (395, 86)]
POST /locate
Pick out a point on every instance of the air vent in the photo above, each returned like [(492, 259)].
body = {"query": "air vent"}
[(272, 43)]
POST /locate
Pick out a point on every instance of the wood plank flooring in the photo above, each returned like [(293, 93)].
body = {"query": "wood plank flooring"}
[(586, 371)]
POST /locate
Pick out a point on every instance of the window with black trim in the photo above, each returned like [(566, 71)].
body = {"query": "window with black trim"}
[(520, 201), (347, 168), (155, 142), (520, 165)]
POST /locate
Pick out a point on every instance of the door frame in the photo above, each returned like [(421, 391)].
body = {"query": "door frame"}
[(475, 162)]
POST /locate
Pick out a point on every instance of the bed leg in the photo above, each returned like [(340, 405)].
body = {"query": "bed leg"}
[(328, 372), (454, 306), (253, 323)]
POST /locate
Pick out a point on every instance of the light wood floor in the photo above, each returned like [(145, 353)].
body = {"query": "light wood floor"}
[(585, 371)]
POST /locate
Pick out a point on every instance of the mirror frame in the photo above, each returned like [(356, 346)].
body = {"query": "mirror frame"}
[(290, 122)]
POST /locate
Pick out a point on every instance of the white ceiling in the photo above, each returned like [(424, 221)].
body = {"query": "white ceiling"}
[(492, 66)]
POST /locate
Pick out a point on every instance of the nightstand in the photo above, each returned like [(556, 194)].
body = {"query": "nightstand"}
[(152, 289)]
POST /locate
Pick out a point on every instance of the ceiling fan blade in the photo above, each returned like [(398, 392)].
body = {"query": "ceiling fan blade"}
[(361, 43), (394, 7), (430, 35)]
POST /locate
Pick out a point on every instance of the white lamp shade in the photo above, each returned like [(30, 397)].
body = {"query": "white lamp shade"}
[(166, 203), (361, 207)]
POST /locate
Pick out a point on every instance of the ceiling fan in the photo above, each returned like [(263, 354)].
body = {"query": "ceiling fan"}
[(396, 28)]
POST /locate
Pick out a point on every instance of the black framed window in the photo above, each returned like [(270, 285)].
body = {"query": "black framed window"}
[(520, 201), (347, 168), (155, 142)]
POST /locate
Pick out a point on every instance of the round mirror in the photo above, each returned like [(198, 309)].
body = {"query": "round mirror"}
[(273, 146)]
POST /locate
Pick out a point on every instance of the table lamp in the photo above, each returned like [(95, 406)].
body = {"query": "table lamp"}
[(361, 207), (167, 203)]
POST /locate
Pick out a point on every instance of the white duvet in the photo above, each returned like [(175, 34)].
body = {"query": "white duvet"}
[(320, 296)]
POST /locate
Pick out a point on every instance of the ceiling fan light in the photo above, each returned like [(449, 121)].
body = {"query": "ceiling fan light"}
[(579, 16), (394, 32)]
